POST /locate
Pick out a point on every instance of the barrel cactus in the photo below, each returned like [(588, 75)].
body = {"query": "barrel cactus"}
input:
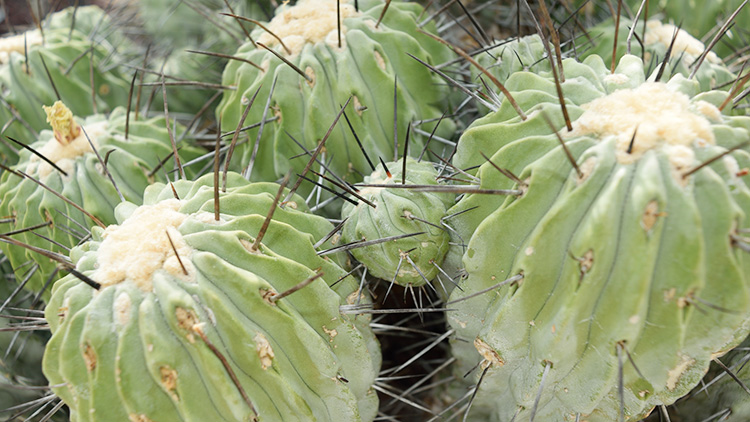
[(390, 211), (365, 66), (686, 50), (189, 307), (626, 269), (70, 167), (70, 47)]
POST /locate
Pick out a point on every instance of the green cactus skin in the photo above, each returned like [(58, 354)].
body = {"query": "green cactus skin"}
[(719, 397), (399, 212), (630, 257), (85, 184), (365, 67), (132, 349), (26, 87), (711, 74)]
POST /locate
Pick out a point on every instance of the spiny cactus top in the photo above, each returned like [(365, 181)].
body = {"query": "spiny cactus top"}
[(657, 37), (393, 211), (364, 67), (631, 261), (70, 56), (70, 167), (188, 322)]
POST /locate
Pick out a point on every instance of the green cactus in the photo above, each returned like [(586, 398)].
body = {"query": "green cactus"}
[(188, 309), (364, 67), (394, 212), (84, 182), (685, 52), (26, 86), (628, 257)]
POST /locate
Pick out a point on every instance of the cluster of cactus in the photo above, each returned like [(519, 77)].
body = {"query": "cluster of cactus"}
[(576, 218)]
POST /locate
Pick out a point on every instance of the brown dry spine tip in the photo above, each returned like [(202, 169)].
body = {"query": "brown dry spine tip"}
[(492, 77), (385, 167), (288, 51), (562, 143), (169, 381), (226, 56), (277, 296), (198, 329), (711, 160), (269, 216), (382, 14)]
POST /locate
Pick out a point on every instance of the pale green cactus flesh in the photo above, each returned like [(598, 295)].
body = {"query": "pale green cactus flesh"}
[(129, 162), (26, 87), (686, 51), (365, 68), (163, 338), (395, 211), (630, 262)]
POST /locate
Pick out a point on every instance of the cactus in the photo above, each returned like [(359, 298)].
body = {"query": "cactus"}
[(70, 54), (78, 175), (190, 307), (391, 212), (629, 257), (685, 52), (365, 67)]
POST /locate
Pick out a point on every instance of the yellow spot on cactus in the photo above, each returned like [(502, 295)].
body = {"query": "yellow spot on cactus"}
[(491, 357), (186, 320), (133, 417), (139, 247), (308, 22), (60, 118), (331, 333), (265, 352), (650, 215), (169, 381), (674, 374), (89, 356), (379, 59)]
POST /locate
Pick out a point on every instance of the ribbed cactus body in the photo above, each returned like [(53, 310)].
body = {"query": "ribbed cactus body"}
[(162, 333), (634, 258), (130, 162), (365, 67), (686, 50), (394, 212), (73, 57)]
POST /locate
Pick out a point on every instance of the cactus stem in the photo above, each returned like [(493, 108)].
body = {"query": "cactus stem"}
[(49, 76), (715, 40), (33, 151), (198, 329), (269, 216), (297, 287), (516, 278), (226, 56), (73, 204), (711, 160)]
